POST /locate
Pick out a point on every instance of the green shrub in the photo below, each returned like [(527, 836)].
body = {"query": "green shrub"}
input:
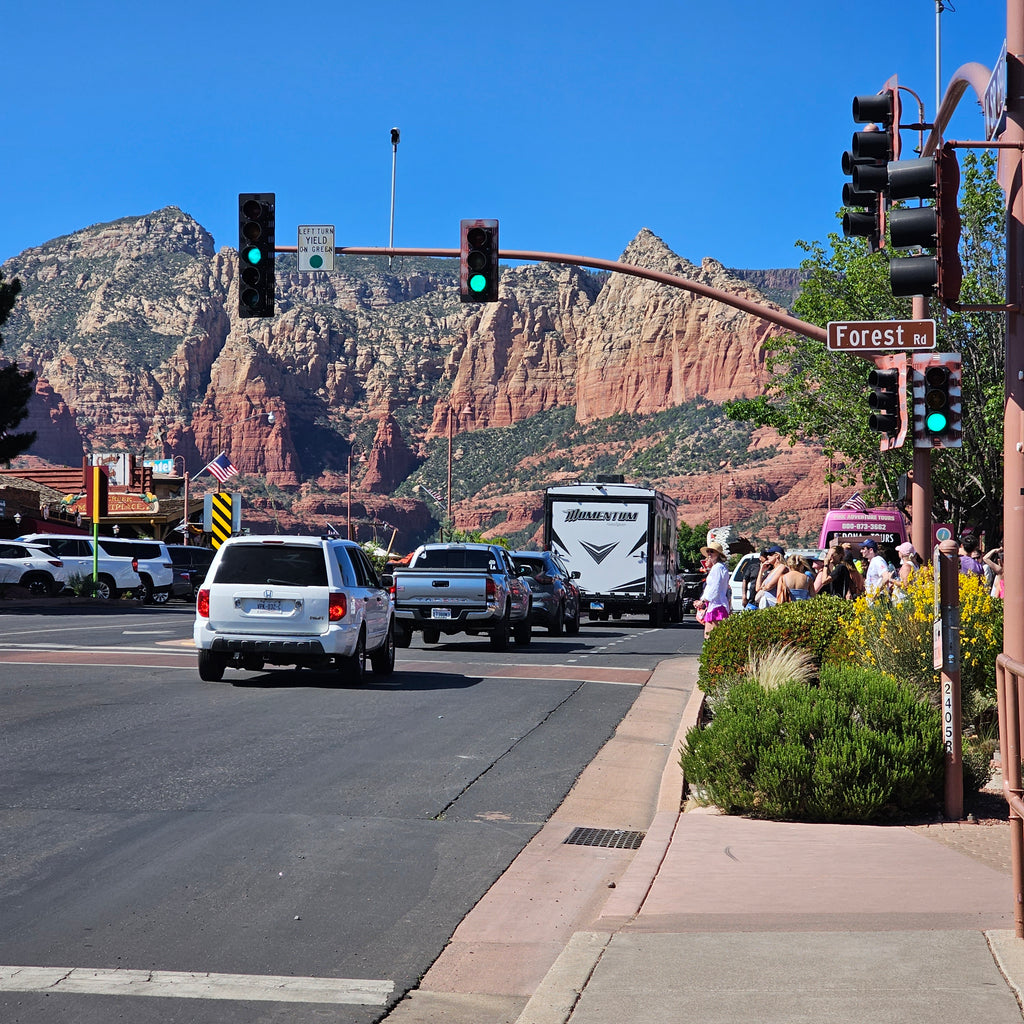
[(859, 747), (809, 625)]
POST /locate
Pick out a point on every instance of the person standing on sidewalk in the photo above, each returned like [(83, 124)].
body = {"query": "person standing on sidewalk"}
[(713, 605), (878, 575)]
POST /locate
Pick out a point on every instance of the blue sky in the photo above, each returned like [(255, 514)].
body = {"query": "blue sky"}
[(719, 126)]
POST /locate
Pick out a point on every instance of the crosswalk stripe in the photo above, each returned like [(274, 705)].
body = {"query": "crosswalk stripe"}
[(195, 985)]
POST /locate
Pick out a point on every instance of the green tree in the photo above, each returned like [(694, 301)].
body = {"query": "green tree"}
[(809, 395), (689, 541), (15, 387)]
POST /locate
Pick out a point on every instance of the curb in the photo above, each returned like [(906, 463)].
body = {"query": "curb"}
[(556, 997)]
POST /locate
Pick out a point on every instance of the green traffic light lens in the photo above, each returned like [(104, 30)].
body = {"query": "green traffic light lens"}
[(477, 283), (253, 255), (936, 422)]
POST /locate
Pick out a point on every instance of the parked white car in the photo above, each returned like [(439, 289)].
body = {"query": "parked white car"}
[(305, 601), (115, 573), (35, 568), (736, 577)]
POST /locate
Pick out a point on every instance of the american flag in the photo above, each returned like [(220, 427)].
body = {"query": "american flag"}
[(855, 502), (222, 468)]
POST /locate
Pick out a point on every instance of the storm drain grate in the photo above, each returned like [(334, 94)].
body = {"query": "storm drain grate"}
[(616, 838)]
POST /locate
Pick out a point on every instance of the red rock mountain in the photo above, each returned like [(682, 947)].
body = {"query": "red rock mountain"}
[(132, 330)]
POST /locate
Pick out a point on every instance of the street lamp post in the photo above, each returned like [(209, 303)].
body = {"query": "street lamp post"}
[(452, 416), (271, 420), (348, 520), (184, 473)]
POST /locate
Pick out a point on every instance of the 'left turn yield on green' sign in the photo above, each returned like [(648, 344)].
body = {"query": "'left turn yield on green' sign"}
[(316, 247)]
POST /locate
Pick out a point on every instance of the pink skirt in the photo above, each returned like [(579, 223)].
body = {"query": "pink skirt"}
[(716, 614)]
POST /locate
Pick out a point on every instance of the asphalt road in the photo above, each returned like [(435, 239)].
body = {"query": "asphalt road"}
[(161, 836)]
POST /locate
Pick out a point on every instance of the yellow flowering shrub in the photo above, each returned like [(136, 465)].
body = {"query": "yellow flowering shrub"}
[(894, 634)]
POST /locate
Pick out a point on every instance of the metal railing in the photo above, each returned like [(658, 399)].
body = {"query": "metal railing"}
[(1010, 694)]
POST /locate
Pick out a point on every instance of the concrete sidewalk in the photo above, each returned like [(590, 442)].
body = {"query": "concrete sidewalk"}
[(725, 919)]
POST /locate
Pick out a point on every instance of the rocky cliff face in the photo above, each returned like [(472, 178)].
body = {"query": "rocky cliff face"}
[(132, 330)]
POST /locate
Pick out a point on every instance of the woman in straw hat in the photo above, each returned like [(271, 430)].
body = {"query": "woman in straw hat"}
[(713, 605)]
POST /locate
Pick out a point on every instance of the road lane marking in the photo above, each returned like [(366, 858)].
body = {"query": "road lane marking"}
[(195, 985)]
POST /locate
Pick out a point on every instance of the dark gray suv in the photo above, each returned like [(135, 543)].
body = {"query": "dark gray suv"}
[(556, 598)]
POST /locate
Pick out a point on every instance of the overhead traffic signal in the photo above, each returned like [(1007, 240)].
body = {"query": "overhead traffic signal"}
[(883, 109), (937, 401), (478, 261), (937, 227), (256, 254), (865, 162)]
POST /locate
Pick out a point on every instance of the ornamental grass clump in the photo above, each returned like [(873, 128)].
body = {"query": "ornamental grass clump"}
[(858, 747), (810, 626)]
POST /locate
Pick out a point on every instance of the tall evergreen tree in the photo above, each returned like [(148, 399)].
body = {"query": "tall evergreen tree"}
[(819, 396), (15, 387)]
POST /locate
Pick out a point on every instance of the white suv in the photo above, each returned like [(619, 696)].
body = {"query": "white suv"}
[(31, 566), (303, 601), (152, 562), (76, 552)]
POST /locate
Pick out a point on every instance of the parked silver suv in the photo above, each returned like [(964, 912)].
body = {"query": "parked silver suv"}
[(302, 601)]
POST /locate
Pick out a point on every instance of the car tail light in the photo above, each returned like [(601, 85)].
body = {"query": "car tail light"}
[(337, 607), (135, 565), (492, 591), (56, 562), (203, 604)]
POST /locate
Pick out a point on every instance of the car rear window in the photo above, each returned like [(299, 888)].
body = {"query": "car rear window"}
[(131, 549), (283, 564), (456, 558)]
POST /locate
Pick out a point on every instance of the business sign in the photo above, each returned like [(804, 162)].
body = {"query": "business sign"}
[(993, 103), (316, 247), (868, 336)]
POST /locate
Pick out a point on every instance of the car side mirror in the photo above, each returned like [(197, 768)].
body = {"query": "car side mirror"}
[(387, 581), (575, 574)]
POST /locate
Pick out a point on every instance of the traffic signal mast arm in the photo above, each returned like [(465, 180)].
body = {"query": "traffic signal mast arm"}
[(774, 316)]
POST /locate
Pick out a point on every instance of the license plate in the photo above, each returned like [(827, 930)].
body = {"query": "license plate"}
[(268, 606), (440, 613), (597, 606)]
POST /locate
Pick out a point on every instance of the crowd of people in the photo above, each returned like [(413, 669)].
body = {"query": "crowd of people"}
[(848, 570)]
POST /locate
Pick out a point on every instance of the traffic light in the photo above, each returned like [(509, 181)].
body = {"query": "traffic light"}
[(884, 400), (97, 485), (478, 261), (883, 109), (937, 401), (866, 162), (937, 227), (888, 399), (256, 254), (865, 222)]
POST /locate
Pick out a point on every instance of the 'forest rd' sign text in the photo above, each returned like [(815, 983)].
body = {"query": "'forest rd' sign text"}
[(881, 335)]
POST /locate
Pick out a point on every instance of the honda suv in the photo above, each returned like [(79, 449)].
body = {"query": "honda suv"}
[(115, 573), (303, 601), (153, 564)]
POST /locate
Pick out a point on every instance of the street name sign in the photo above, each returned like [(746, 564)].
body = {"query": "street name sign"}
[(881, 335), (316, 247)]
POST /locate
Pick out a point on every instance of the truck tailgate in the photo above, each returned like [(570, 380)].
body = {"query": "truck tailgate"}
[(442, 588)]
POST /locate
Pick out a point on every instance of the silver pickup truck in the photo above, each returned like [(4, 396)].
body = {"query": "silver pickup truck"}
[(461, 588)]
